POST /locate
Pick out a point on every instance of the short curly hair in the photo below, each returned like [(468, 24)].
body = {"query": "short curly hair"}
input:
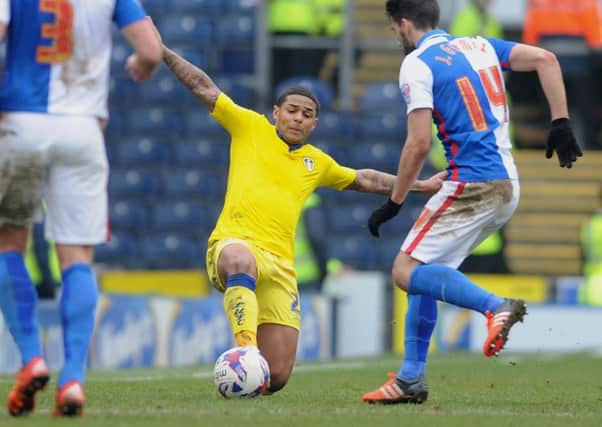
[(423, 13), (298, 90)]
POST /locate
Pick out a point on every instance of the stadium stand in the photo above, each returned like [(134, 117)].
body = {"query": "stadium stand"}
[(166, 121), (357, 251), (186, 29), (204, 153), (390, 125), (199, 7), (142, 152), (383, 156), (180, 215), (162, 143), (381, 96), (172, 250), (122, 251), (133, 183), (543, 235), (129, 214)]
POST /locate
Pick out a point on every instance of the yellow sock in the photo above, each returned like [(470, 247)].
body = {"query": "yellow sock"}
[(242, 310)]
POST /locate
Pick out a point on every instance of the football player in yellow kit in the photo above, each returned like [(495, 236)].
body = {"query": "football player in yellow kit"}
[(271, 174)]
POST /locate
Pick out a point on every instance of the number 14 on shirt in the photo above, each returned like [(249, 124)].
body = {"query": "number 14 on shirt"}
[(491, 79)]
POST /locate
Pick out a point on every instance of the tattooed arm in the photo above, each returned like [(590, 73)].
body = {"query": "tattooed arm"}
[(373, 181), (195, 79)]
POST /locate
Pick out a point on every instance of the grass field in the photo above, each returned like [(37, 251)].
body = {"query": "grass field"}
[(465, 390)]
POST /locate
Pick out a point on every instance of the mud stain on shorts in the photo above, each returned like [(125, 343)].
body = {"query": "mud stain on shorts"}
[(480, 196), (22, 180)]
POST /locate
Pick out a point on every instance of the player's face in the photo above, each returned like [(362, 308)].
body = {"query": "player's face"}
[(295, 118), (400, 29)]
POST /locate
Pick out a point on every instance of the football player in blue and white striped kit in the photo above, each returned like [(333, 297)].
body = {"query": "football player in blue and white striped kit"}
[(457, 82), (53, 102)]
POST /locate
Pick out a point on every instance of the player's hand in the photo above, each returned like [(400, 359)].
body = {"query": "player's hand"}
[(433, 184), (562, 140), (138, 70), (382, 214)]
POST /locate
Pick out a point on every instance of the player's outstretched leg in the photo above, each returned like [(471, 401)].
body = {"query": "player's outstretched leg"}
[(499, 323), (32, 378), (397, 390)]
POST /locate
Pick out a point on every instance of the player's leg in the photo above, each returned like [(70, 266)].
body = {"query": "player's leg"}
[(279, 316), (18, 302), (23, 166), (76, 221), (17, 293), (237, 270), (460, 218), (442, 241), (278, 344), (409, 384), (77, 309)]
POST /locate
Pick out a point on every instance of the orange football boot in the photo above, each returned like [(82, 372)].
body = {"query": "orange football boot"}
[(397, 390), (499, 323), (70, 400), (32, 378)]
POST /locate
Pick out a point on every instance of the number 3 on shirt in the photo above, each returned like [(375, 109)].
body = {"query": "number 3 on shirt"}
[(495, 93), (60, 32)]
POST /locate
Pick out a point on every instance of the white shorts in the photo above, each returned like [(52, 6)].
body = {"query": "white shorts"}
[(60, 159), (459, 217)]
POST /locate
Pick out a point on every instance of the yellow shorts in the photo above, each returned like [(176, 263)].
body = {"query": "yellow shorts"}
[(276, 287)]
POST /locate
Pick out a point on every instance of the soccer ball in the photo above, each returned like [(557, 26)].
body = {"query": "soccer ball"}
[(241, 372)]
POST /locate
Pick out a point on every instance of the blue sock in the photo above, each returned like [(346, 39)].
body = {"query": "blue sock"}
[(421, 317), (77, 307), (449, 285), (18, 299)]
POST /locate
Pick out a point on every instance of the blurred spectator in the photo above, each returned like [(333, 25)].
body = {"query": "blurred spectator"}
[(294, 17), (475, 20), (305, 18), (42, 263), (591, 249), (311, 258), (572, 30), (332, 18)]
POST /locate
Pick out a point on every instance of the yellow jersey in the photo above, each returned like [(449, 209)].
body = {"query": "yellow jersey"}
[(268, 181)]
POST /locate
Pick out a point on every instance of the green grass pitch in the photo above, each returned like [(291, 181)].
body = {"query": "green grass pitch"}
[(465, 390)]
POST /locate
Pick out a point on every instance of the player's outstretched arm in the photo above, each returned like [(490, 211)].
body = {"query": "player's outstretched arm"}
[(373, 181), (195, 79), (524, 57), (561, 139)]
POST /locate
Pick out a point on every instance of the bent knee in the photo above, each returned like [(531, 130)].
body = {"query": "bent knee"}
[(237, 259), (402, 270)]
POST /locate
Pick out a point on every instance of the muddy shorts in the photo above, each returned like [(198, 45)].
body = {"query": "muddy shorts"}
[(60, 160), (459, 217)]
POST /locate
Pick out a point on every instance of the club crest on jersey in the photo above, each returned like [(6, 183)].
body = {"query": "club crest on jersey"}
[(309, 163)]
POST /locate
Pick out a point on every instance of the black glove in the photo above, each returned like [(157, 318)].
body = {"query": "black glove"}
[(382, 214), (562, 140)]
